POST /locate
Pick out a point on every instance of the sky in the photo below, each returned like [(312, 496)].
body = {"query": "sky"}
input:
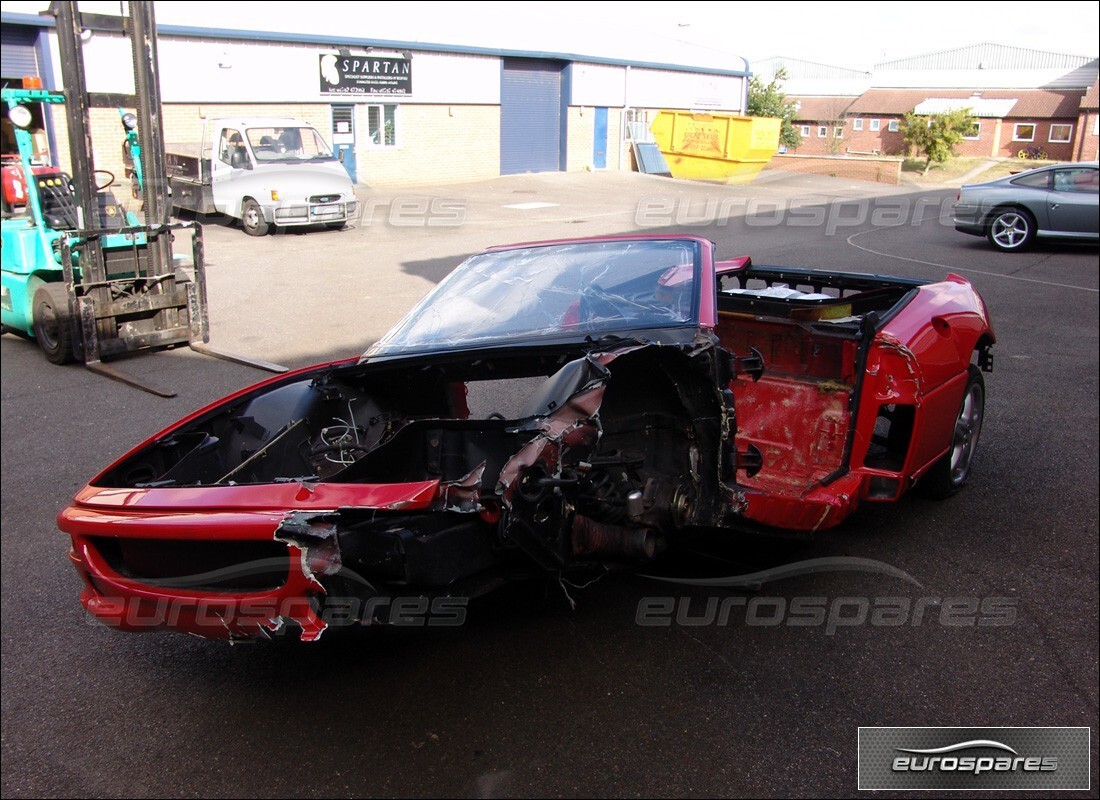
[(859, 34), (850, 34)]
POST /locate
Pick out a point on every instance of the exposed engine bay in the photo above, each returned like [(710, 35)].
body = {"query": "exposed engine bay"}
[(603, 455)]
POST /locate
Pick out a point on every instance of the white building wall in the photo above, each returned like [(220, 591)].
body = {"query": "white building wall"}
[(598, 85), (650, 88), (223, 71)]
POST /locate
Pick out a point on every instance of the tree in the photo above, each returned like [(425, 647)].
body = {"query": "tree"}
[(768, 100), (935, 135)]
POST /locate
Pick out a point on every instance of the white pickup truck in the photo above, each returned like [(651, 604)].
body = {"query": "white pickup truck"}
[(263, 172)]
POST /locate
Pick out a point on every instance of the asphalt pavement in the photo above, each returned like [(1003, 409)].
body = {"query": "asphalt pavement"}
[(560, 690)]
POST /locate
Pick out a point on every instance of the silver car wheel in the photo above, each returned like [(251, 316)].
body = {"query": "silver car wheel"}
[(1010, 230), (967, 429)]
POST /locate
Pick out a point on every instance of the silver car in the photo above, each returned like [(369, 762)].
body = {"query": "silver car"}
[(1056, 202)]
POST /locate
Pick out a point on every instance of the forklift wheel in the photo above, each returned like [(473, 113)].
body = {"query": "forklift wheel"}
[(51, 323)]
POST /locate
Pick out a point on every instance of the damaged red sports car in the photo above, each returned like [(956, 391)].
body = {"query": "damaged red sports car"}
[(551, 406)]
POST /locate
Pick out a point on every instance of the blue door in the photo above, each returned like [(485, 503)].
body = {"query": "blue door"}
[(343, 138), (599, 140), (530, 116)]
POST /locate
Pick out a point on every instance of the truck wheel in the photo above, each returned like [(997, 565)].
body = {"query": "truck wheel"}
[(51, 323), (252, 219), (951, 472)]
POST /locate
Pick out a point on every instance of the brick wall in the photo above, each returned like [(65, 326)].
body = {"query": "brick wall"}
[(581, 140), (582, 127), (435, 144), (883, 141), (995, 139), (1009, 147), (879, 170), (1086, 140)]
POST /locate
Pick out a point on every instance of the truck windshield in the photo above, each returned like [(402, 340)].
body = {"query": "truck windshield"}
[(288, 144)]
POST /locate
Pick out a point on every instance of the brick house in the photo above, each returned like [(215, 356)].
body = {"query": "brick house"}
[(1008, 120), (1021, 99), (820, 121), (1087, 143)]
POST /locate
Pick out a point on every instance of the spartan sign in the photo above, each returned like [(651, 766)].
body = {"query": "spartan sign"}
[(368, 75)]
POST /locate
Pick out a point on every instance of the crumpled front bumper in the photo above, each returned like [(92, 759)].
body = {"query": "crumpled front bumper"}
[(218, 573)]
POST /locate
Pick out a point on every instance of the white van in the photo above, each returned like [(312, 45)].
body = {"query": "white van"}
[(264, 172)]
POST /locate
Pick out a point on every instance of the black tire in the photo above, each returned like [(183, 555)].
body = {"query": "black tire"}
[(51, 323), (951, 472), (1010, 229), (252, 219)]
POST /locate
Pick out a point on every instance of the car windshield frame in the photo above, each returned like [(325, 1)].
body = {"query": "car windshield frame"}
[(554, 291)]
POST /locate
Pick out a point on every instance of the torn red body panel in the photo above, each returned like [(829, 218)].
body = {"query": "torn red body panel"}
[(665, 391)]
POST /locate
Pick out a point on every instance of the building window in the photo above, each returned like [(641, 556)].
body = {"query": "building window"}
[(975, 131), (875, 125), (806, 131), (382, 125), (822, 131), (1023, 132), (1060, 133), (893, 126), (838, 132), (857, 124)]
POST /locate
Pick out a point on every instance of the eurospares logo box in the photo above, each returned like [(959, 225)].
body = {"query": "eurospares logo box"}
[(960, 759)]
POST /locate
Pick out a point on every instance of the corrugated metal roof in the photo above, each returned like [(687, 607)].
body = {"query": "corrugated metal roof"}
[(1031, 103), (798, 69), (988, 56)]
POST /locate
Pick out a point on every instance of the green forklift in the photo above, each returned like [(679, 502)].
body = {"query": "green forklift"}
[(83, 277)]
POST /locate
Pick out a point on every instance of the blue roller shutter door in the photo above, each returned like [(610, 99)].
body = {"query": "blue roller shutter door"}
[(530, 116), (17, 56)]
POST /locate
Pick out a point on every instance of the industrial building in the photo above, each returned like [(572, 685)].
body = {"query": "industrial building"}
[(396, 111)]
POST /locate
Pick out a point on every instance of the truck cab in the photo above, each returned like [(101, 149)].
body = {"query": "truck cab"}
[(264, 172)]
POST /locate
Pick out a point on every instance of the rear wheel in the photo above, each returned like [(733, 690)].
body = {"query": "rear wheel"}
[(252, 219), (952, 471), (51, 323), (1011, 229)]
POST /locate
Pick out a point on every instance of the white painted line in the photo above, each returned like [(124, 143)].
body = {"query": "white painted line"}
[(528, 206), (961, 270)]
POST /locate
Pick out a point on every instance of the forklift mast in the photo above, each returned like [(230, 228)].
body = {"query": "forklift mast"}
[(126, 290)]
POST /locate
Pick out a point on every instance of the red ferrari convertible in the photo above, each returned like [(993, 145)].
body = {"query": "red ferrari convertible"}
[(550, 406)]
